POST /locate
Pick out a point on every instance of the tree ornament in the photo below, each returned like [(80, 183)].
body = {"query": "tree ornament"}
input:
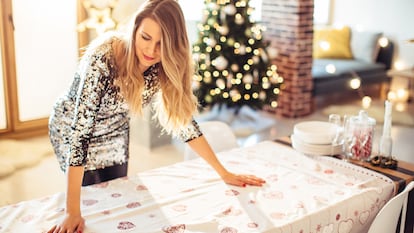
[(230, 9), (220, 83), (195, 85), (248, 32), (273, 52), (234, 93), (213, 6), (211, 21), (220, 62), (242, 49), (211, 42), (262, 95), (234, 67), (224, 30), (248, 78), (256, 59)]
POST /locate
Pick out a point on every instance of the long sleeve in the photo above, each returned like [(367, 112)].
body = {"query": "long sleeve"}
[(185, 133), (93, 74), (89, 124), (190, 132)]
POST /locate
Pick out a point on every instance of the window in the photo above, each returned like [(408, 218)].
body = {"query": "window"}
[(3, 122), (321, 13), (37, 64)]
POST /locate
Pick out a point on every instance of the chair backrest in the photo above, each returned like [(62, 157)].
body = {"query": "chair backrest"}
[(218, 134), (386, 220)]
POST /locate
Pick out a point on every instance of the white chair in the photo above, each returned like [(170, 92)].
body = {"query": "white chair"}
[(386, 220), (218, 134)]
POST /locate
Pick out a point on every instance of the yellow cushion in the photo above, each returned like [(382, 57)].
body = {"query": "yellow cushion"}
[(332, 43)]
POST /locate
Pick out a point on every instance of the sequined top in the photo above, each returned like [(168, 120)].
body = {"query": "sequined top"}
[(89, 125)]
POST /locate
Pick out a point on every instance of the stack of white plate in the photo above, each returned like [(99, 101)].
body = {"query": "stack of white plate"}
[(315, 138)]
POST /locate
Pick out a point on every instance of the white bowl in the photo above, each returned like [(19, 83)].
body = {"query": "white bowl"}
[(315, 132), (315, 149)]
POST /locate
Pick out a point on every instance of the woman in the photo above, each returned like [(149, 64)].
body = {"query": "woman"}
[(89, 126)]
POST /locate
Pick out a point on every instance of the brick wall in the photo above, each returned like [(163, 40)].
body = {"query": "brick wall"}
[(289, 28)]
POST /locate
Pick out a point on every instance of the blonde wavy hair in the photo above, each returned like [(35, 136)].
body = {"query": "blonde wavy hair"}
[(176, 103)]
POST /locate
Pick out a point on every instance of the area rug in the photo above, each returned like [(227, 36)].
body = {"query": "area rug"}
[(375, 111), (15, 154)]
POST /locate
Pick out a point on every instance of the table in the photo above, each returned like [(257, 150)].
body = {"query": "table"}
[(302, 194), (407, 75), (401, 176)]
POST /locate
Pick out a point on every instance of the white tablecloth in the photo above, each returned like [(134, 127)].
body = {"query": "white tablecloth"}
[(302, 194)]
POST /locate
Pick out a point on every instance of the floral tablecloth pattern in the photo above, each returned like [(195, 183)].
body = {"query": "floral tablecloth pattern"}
[(302, 194)]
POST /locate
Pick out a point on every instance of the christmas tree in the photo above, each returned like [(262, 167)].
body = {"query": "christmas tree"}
[(233, 66)]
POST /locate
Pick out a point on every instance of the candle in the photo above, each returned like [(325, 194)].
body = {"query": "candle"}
[(385, 148)]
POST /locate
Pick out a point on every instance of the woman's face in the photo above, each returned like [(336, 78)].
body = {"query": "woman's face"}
[(147, 43)]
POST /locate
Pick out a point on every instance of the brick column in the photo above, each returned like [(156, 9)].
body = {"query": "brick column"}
[(289, 29)]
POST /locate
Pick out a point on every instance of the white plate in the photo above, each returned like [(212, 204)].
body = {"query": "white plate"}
[(315, 149), (315, 132)]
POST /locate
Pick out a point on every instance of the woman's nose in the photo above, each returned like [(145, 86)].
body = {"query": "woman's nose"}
[(152, 48)]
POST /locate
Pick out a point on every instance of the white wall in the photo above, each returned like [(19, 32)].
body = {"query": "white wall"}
[(395, 18)]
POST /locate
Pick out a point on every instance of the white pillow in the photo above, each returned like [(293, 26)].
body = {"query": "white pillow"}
[(364, 45)]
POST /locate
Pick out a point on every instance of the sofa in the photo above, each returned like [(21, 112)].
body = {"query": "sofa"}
[(341, 54)]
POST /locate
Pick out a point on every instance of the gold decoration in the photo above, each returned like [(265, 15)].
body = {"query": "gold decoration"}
[(99, 19)]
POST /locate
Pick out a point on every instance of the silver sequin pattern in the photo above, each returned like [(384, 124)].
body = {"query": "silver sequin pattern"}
[(89, 124)]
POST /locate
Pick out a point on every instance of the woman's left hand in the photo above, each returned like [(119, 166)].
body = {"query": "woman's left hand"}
[(202, 148), (242, 179)]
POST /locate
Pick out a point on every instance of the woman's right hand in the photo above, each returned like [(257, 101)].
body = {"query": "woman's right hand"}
[(70, 224), (73, 221)]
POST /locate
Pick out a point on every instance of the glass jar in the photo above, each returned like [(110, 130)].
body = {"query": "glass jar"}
[(358, 136)]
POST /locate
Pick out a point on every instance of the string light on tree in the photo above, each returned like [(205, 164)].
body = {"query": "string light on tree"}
[(232, 59)]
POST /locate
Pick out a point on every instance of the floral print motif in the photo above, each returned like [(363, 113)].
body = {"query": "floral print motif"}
[(232, 192), (89, 202), (133, 205), (125, 225), (229, 230), (180, 228)]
